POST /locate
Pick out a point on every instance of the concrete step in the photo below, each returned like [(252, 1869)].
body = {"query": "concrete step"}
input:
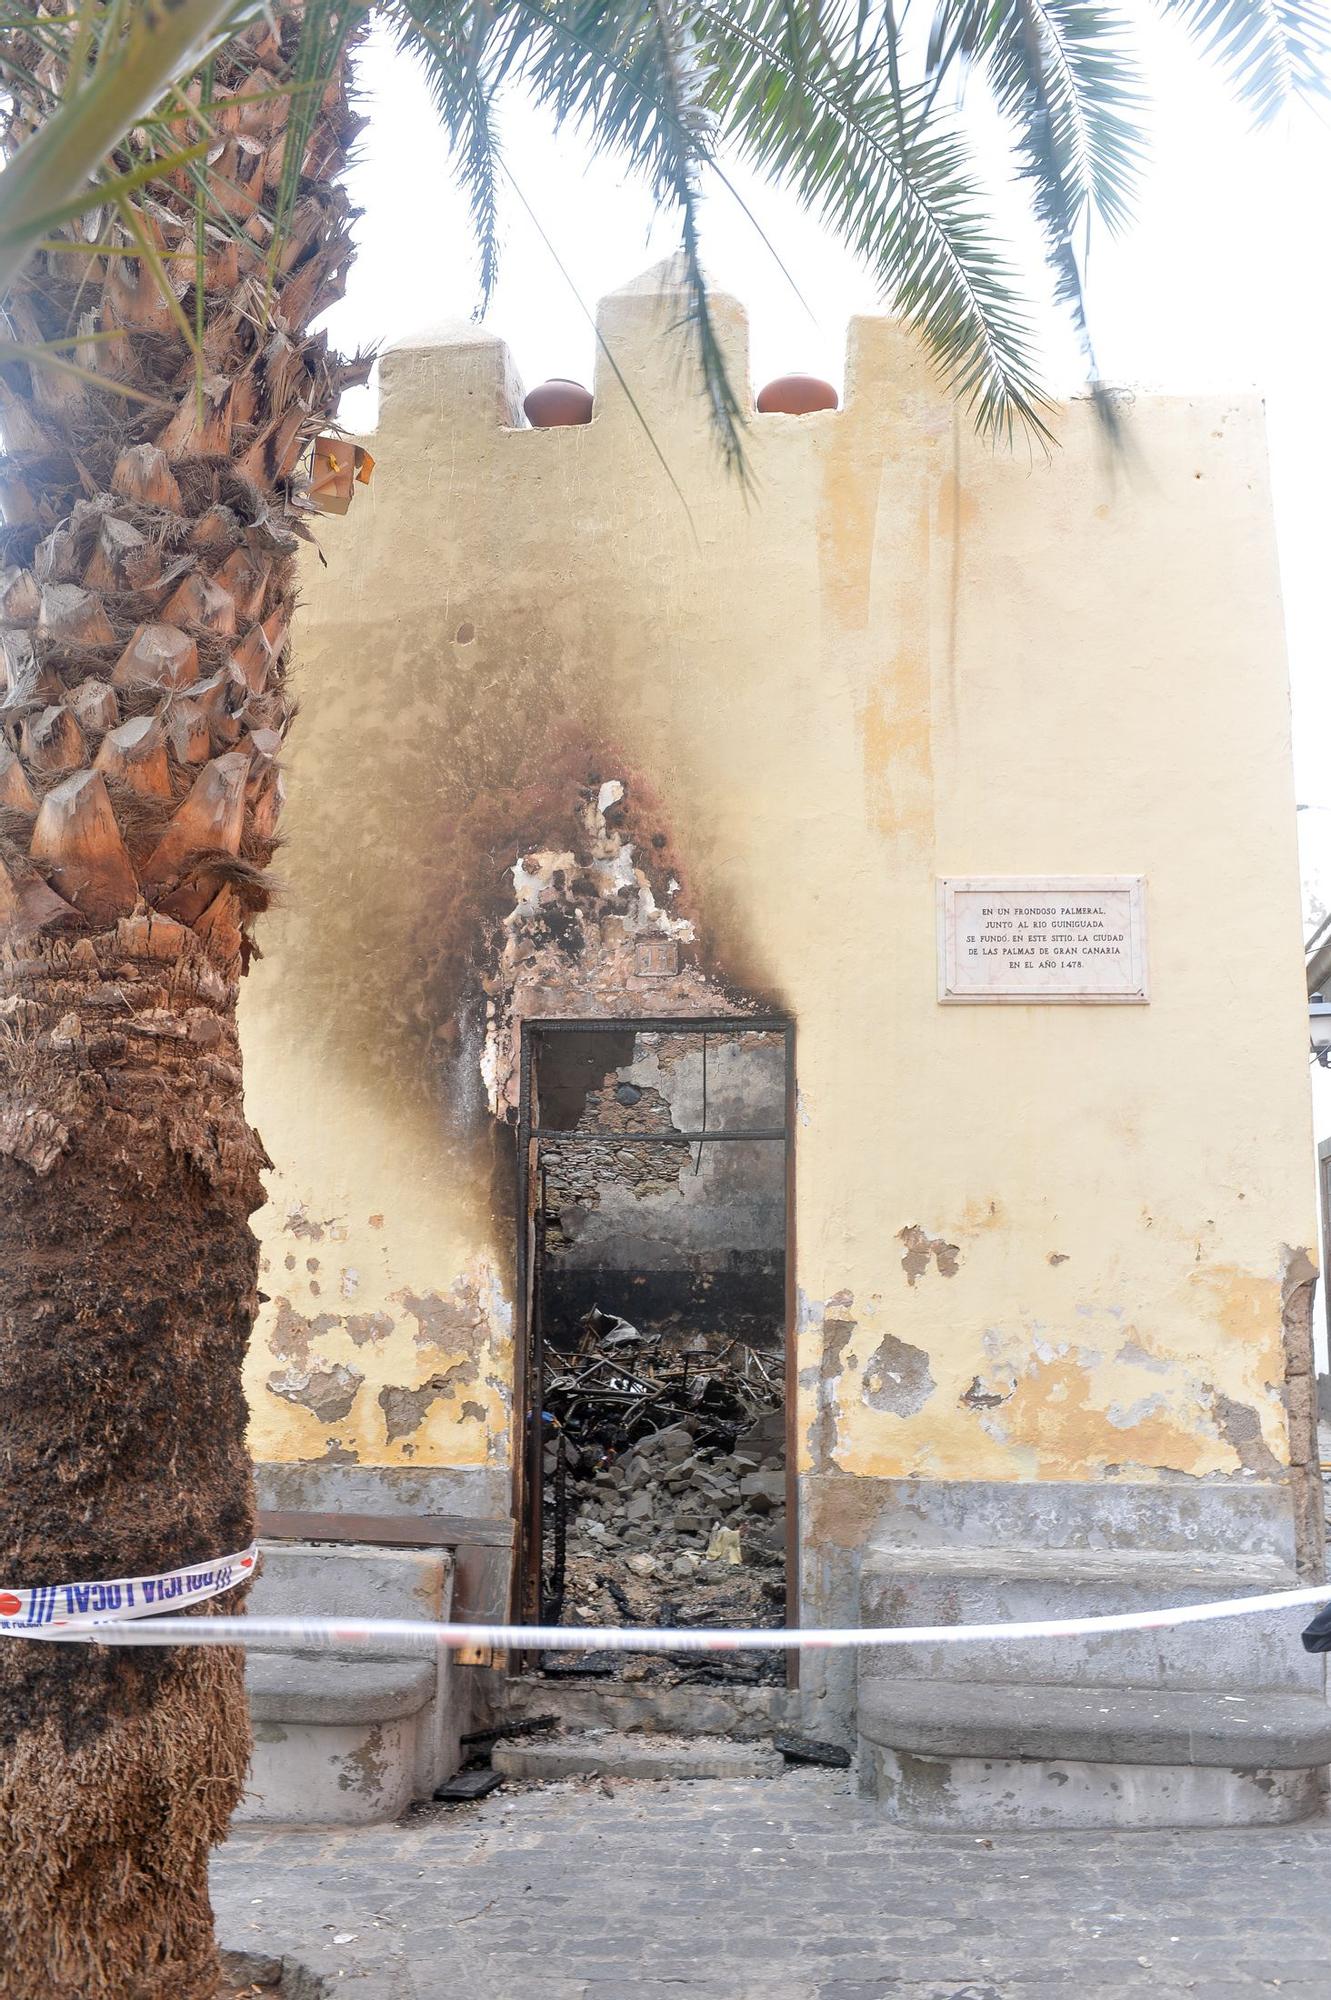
[(608, 1753), (740, 1713), (999, 1586), (1281, 1732), (956, 1757), (340, 1739)]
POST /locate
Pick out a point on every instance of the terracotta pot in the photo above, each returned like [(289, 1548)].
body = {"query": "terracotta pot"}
[(797, 395), (557, 402)]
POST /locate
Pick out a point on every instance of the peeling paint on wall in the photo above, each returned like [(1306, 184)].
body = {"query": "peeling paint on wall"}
[(368, 1328), (833, 1327), (328, 1392), (1241, 1427), (360, 1371), (897, 1378), (977, 1397), (292, 1333), (452, 1322), (404, 1409), (921, 1248)]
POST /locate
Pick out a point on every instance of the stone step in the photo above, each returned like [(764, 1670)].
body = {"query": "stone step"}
[(951, 1757), (348, 1739), (609, 1753), (1002, 1586), (740, 1713), (1101, 1725)]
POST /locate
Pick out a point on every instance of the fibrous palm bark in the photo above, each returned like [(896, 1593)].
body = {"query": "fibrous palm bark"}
[(145, 601)]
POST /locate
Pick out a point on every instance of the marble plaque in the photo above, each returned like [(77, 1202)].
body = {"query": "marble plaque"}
[(1042, 938)]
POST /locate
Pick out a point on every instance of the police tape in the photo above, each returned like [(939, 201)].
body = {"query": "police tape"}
[(49, 1610), (395, 1636)]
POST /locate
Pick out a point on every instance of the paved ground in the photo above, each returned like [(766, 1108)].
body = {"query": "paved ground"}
[(787, 1889)]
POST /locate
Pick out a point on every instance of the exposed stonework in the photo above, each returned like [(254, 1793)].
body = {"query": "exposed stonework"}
[(577, 1174), (1297, 1287), (591, 932), (692, 1215)]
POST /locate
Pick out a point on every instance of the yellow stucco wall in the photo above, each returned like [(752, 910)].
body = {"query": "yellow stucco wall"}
[(906, 655)]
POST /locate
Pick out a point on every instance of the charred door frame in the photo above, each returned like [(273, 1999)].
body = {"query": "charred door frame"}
[(525, 1595)]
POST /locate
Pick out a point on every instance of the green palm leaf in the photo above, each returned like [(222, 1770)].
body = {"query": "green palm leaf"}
[(125, 60), (464, 81), (626, 74), (830, 116), (1065, 64), (813, 93)]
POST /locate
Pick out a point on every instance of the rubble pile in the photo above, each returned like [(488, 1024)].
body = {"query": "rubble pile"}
[(680, 1521), (618, 1383)]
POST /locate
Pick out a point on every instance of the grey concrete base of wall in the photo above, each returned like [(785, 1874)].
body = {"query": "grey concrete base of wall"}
[(1011, 1550), (1001, 1795)]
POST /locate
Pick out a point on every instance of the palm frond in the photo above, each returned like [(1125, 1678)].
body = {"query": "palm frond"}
[(17, 232), (1066, 64), (626, 73), (463, 76), (1059, 72), (831, 117), (326, 27), (1272, 51), (126, 60)]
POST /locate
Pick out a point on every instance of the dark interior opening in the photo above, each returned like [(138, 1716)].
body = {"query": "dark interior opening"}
[(657, 1337)]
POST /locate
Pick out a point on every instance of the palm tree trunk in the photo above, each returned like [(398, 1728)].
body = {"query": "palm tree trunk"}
[(144, 605)]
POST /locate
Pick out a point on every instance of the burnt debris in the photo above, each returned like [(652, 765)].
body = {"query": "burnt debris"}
[(665, 1488)]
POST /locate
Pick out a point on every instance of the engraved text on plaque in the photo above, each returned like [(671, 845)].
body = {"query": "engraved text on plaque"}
[(1041, 938)]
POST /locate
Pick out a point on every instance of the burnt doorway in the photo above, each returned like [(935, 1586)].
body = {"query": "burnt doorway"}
[(656, 1399)]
